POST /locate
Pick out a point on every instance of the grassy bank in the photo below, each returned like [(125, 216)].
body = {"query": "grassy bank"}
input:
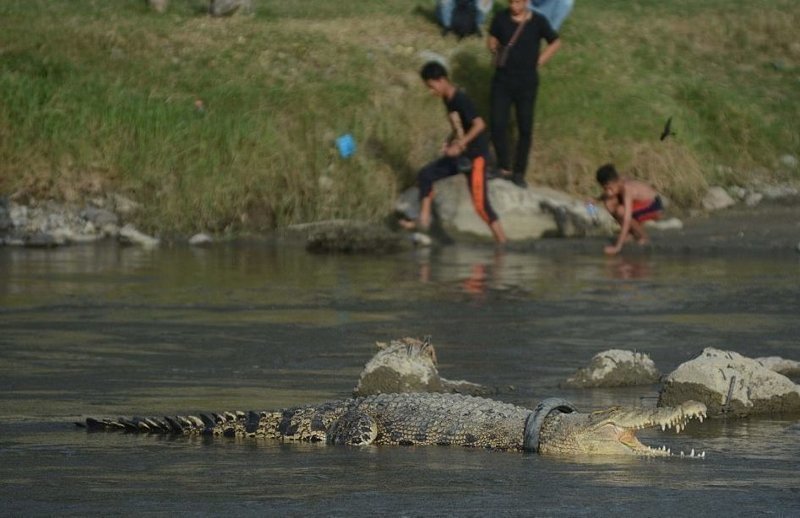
[(99, 96)]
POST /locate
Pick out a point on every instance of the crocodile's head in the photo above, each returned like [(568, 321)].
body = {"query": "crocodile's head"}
[(613, 431)]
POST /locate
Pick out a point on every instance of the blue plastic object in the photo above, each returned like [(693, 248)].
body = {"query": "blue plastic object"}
[(346, 145), (592, 210)]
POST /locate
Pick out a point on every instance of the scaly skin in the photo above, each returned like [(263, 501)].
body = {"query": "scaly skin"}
[(427, 419)]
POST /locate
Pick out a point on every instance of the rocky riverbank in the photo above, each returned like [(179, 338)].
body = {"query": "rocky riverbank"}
[(47, 224), (752, 219)]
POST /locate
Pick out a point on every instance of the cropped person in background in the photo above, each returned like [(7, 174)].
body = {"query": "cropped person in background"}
[(556, 11), (444, 11)]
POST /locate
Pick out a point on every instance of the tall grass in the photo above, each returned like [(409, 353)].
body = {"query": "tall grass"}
[(99, 96)]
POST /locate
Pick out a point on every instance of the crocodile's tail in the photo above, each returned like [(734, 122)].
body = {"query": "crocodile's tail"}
[(229, 424)]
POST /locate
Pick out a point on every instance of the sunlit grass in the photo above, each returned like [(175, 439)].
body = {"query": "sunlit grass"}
[(99, 96)]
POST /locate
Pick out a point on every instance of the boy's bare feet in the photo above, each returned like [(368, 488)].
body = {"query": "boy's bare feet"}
[(407, 224)]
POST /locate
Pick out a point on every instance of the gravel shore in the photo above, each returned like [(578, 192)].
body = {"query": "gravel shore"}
[(771, 228)]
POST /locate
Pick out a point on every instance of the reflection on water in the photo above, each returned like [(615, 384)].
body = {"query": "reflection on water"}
[(103, 330), (623, 268)]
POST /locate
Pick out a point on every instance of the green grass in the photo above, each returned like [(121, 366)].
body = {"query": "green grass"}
[(99, 96)]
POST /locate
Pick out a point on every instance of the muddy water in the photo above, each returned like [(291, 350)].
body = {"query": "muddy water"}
[(100, 330)]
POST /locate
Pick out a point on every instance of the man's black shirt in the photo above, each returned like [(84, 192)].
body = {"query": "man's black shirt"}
[(524, 55), (463, 105)]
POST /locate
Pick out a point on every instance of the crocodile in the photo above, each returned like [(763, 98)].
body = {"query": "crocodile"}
[(554, 427)]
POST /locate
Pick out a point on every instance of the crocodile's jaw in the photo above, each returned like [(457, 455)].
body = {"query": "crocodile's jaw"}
[(613, 431), (611, 439)]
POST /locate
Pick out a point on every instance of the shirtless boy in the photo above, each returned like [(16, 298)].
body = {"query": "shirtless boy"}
[(631, 202)]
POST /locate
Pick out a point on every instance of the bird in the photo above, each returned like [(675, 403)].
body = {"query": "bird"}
[(667, 130)]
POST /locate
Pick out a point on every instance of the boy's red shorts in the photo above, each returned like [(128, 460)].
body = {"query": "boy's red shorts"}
[(645, 210)]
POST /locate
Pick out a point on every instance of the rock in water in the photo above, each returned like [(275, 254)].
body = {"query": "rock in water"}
[(350, 237), (616, 368), (730, 384), (409, 365)]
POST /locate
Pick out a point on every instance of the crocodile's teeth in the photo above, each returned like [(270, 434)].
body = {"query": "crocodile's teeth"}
[(703, 455), (663, 427)]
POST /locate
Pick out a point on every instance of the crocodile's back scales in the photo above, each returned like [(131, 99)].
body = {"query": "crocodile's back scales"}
[(445, 419), (408, 419)]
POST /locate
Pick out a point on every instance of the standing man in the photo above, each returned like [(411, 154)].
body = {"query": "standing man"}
[(515, 41)]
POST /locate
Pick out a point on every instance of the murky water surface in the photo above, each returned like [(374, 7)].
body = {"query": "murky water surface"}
[(104, 331)]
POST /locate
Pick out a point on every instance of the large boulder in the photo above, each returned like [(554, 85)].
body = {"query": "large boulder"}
[(529, 213), (730, 384), (615, 368), (408, 365)]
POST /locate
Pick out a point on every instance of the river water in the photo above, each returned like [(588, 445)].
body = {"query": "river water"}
[(106, 331)]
